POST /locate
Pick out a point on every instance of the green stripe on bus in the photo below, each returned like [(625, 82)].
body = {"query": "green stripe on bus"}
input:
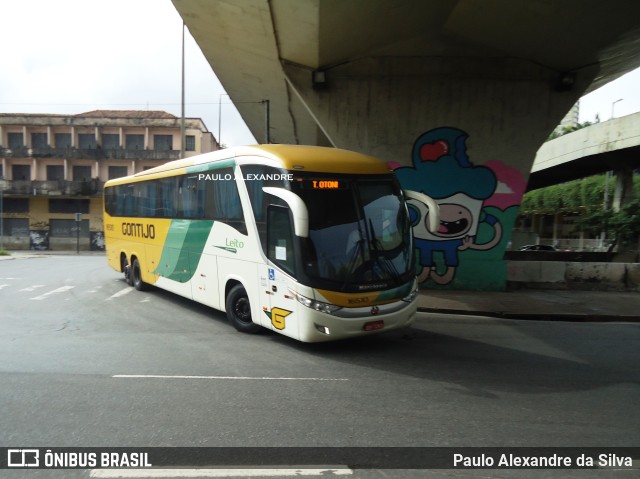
[(211, 166), (182, 249), (395, 293)]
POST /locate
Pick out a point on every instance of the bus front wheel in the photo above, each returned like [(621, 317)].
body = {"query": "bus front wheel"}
[(239, 311)]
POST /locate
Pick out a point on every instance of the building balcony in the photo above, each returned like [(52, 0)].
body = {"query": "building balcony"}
[(90, 154), (52, 188)]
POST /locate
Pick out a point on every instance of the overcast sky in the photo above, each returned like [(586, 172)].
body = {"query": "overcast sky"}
[(71, 56)]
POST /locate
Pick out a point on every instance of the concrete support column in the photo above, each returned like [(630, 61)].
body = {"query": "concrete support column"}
[(49, 137), (464, 131), (624, 188), (26, 139), (2, 139), (121, 137), (73, 137), (146, 138)]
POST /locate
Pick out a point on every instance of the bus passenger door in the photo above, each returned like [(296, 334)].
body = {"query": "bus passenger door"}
[(282, 307)]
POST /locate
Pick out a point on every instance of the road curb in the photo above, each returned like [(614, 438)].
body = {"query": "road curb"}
[(582, 318)]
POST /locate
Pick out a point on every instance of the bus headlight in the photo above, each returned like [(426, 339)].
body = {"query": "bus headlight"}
[(317, 305), (411, 297)]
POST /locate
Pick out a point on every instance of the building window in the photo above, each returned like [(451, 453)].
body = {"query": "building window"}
[(16, 205), (15, 227), (87, 141), (66, 205), (190, 143), (63, 140), (134, 142), (117, 172), (110, 141), (55, 172), (16, 141), (81, 173), (39, 140), (21, 172), (163, 142), (68, 228)]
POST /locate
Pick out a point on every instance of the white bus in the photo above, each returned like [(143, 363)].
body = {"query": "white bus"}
[(314, 243)]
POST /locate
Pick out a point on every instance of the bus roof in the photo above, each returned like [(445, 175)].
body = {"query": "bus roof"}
[(291, 157)]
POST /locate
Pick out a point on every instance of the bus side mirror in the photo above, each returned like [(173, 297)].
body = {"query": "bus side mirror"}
[(297, 207), (430, 203)]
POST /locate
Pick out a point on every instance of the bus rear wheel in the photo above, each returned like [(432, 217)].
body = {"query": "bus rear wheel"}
[(136, 276), (239, 311), (126, 269)]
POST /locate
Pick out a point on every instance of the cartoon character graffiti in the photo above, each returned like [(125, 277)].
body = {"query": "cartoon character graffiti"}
[(442, 170)]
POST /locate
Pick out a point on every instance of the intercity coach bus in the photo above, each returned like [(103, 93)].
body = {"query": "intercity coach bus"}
[(314, 243)]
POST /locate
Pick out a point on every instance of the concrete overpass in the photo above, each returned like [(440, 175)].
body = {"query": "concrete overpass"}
[(474, 84), (610, 145)]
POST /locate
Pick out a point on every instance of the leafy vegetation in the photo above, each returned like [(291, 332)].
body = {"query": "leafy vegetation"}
[(586, 197), (568, 129), (623, 226)]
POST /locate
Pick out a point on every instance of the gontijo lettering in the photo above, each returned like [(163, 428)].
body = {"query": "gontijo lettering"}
[(139, 230)]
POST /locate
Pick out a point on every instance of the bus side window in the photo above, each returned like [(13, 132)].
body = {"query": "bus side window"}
[(280, 238)]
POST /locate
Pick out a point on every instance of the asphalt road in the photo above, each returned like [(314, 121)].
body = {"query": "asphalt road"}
[(87, 361)]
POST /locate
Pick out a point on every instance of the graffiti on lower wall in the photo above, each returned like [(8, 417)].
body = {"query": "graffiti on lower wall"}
[(478, 208)]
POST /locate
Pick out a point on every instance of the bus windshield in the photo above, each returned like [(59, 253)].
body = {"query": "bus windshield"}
[(359, 232)]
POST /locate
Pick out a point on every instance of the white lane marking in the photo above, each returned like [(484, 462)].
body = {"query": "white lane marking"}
[(3, 286), (32, 288), (122, 292), (61, 289), (258, 378), (246, 472)]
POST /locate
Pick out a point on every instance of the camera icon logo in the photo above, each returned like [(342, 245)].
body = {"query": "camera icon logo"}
[(23, 458)]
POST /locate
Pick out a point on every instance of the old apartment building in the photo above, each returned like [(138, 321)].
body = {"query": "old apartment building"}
[(53, 168)]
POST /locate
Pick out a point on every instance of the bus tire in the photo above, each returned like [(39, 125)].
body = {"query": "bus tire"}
[(239, 311), (136, 276), (126, 269)]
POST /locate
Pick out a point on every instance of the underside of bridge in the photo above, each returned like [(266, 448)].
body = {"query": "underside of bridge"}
[(439, 89)]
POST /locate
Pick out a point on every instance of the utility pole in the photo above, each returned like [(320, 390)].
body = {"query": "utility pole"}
[(182, 135)]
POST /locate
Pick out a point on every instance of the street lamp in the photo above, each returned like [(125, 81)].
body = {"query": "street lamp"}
[(614, 104)]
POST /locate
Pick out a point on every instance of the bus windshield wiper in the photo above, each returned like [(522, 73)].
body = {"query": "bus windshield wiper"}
[(386, 264)]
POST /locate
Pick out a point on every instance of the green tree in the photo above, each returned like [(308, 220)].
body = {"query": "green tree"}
[(623, 226)]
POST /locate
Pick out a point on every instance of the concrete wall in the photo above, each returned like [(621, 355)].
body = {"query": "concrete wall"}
[(461, 130), (570, 275)]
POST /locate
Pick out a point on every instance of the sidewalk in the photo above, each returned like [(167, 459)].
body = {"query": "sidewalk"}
[(546, 305)]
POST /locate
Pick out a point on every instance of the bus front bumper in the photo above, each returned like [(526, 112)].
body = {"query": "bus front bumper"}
[(352, 322)]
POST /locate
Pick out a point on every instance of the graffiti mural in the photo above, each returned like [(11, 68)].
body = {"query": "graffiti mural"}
[(478, 207)]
